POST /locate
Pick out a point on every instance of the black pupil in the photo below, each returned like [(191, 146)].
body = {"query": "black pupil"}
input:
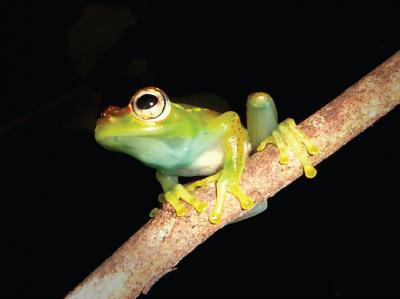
[(146, 101)]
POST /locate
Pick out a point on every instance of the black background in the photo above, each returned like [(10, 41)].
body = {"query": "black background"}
[(67, 204)]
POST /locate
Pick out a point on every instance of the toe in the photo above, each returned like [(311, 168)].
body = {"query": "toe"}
[(154, 212), (310, 171), (181, 211), (245, 201), (247, 204), (215, 217), (200, 207)]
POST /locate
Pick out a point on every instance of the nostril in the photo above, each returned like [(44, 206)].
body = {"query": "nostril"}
[(109, 110)]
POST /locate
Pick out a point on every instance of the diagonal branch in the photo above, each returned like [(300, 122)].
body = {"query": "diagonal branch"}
[(161, 243)]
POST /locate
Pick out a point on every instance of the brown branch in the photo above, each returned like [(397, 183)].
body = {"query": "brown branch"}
[(162, 242)]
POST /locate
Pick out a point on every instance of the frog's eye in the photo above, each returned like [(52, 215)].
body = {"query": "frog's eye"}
[(150, 103)]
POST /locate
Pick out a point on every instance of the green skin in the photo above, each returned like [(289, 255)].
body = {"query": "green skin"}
[(192, 141)]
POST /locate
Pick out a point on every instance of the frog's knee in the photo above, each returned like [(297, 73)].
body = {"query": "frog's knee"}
[(231, 116), (259, 100)]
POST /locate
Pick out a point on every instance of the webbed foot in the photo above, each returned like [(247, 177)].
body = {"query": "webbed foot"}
[(203, 182), (287, 136), (178, 193), (223, 186)]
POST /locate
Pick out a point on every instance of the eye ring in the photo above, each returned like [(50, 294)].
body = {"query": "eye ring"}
[(150, 104)]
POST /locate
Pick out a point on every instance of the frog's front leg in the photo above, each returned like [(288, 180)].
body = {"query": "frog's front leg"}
[(235, 145), (175, 192), (203, 182)]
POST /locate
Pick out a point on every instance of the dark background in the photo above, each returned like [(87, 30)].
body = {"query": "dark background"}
[(68, 204)]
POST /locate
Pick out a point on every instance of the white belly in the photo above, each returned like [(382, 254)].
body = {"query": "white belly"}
[(207, 163)]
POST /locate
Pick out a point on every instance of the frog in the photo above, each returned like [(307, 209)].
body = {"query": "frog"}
[(181, 140)]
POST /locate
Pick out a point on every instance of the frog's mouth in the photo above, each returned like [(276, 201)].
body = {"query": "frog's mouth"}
[(151, 151), (127, 143), (130, 142), (109, 110)]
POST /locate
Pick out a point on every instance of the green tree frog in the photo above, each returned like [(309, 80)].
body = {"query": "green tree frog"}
[(183, 140)]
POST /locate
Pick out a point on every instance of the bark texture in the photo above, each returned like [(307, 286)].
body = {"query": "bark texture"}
[(162, 242)]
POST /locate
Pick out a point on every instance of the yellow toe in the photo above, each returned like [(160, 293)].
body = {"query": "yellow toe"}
[(200, 207), (310, 171), (313, 149), (214, 218), (247, 204), (181, 211)]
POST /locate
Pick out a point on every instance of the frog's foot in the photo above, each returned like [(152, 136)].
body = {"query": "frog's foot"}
[(178, 193), (223, 186), (286, 136), (203, 182), (235, 189)]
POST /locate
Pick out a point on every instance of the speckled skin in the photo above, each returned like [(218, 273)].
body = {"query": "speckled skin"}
[(187, 141), (170, 145)]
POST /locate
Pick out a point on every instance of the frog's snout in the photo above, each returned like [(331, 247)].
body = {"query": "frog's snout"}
[(109, 110)]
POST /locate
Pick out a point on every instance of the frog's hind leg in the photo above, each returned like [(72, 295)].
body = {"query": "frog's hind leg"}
[(262, 117), (286, 136), (262, 123), (262, 120)]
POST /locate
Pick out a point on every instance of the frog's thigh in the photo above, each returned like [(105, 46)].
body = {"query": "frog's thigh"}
[(262, 117)]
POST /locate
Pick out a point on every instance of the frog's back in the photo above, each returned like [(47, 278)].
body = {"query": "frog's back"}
[(204, 114)]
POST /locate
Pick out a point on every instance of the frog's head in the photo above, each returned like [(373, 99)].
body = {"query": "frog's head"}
[(149, 117)]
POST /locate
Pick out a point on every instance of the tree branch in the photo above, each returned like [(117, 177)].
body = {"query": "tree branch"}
[(161, 243)]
